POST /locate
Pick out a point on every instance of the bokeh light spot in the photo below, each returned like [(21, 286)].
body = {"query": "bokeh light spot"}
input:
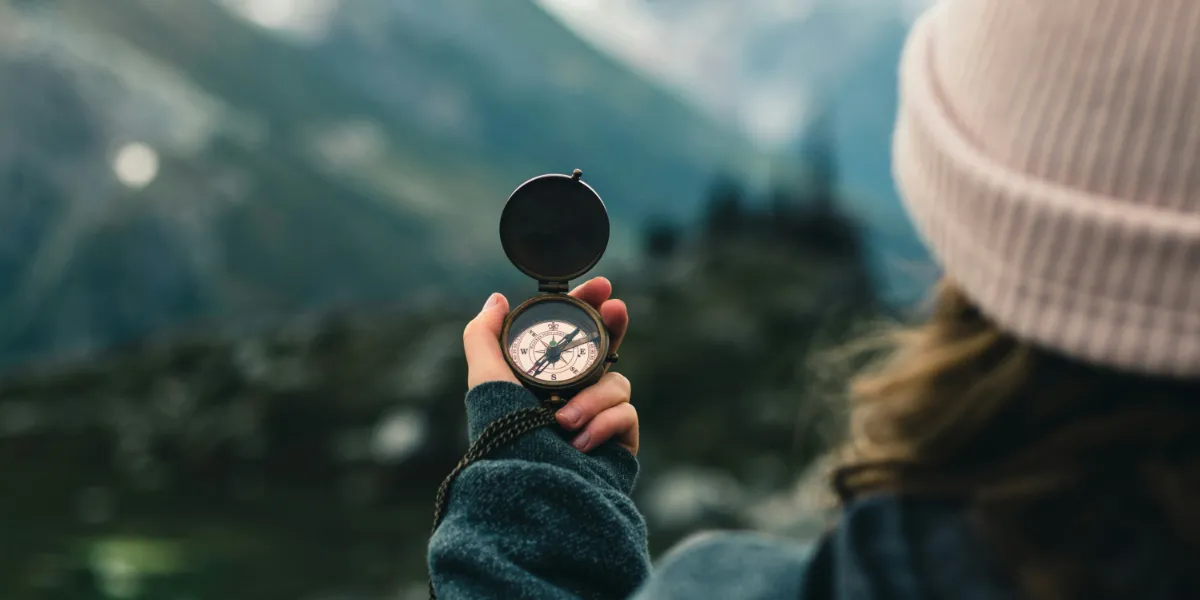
[(136, 165)]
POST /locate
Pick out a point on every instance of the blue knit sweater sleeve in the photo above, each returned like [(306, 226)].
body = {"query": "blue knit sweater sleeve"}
[(538, 519)]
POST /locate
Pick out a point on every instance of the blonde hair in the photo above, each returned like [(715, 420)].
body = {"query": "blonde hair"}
[(1054, 458)]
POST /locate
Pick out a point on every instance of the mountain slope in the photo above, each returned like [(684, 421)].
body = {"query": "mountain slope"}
[(369, 166), (773, 68), (506, 90)]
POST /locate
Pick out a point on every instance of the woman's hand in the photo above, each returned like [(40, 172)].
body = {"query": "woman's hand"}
[(598, 413)]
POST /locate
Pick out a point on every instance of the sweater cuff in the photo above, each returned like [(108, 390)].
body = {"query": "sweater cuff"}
[(491, 400), (609, 463)]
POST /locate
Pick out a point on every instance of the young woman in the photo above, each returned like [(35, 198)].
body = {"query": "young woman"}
[(1038, 437)]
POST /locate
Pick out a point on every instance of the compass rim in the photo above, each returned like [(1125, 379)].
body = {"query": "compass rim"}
[(580, 381)]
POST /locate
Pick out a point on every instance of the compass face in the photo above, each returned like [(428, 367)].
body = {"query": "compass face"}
[(554, 342)]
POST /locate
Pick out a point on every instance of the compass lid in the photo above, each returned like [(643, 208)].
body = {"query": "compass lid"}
[(554, 228)]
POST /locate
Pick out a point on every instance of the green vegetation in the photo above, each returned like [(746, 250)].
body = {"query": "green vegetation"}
[(286, 295), (304, 457)]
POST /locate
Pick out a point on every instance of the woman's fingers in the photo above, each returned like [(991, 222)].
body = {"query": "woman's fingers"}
[(596, 291), (616, 318), (600, 413), (593, 291), (618, 423), (612, 389)]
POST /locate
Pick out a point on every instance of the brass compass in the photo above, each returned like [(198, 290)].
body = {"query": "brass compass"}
[(555, 228)]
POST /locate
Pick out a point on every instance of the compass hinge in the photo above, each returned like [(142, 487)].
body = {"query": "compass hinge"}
[(552, 286)]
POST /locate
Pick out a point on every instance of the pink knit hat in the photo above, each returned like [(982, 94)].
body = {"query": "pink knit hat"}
[(1049, 153)]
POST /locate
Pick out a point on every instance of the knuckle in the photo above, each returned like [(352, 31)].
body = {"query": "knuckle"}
[(622, 385), (469, 330), (602, 426)]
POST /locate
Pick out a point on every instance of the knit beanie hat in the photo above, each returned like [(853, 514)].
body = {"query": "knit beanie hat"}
[(1049, 153)]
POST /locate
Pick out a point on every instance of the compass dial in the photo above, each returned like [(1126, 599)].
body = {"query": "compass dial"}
[(548, 351), (554, 342)]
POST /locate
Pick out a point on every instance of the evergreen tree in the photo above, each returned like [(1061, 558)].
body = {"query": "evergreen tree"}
[(660, 239), (253, 434), (819, 159), (724, 211)]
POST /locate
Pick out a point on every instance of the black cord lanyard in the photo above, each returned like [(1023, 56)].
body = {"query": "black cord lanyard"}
[(496, 435)]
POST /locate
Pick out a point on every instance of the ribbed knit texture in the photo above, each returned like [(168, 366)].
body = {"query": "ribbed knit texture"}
[(1049, 153)]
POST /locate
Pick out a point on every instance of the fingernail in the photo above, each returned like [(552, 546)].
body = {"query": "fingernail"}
[(581, 442), (570, 414), (492, 300)]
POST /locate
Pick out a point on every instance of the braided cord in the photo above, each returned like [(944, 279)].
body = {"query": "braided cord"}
[(496, 435)]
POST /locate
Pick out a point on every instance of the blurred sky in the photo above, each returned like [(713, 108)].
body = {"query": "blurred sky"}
[(710, 51)]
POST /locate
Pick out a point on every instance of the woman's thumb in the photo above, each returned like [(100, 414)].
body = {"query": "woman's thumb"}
[(481, 343)]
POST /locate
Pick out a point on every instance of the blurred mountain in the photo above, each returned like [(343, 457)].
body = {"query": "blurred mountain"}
[(765, 66), (175, 163), (302, 460), (775, 69)]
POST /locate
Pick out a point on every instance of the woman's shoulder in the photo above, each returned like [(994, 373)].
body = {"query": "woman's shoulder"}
[(882, 547), (730, 565)]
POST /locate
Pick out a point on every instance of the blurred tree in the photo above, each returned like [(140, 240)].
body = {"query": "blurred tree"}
[(304, 456), (300, 458), (723, 210), (730, 375), (818, 223), (660, 239), (818, 158)]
